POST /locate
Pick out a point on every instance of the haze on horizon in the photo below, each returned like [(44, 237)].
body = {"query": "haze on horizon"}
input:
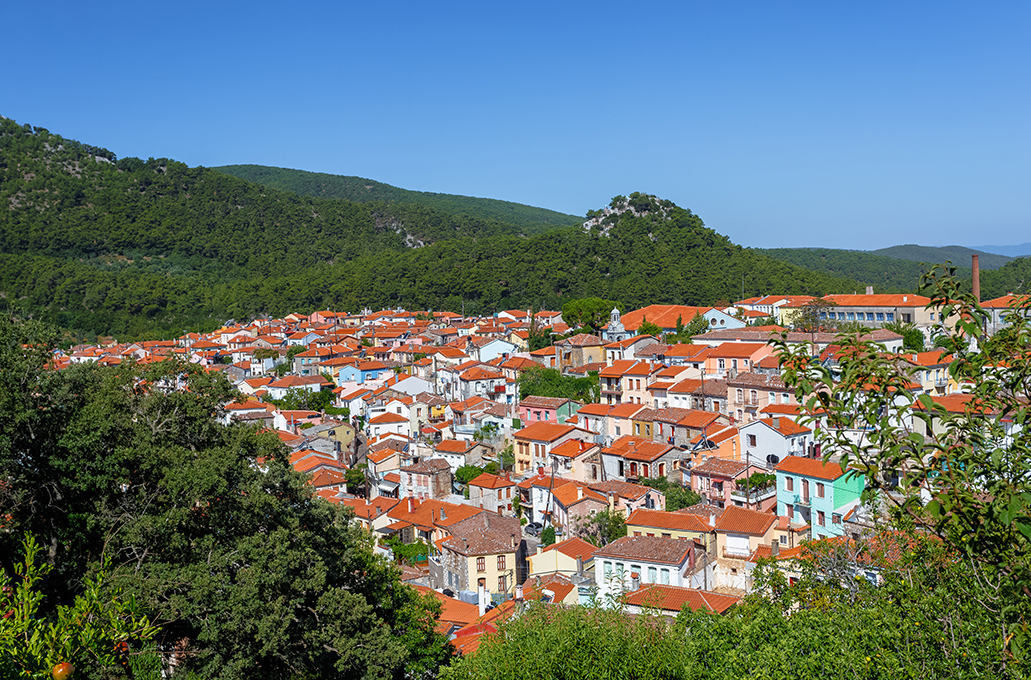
[(802, 124)]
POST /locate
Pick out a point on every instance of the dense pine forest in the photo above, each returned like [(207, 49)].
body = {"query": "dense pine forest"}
[(898, 269), (527, 219), (101, 245)]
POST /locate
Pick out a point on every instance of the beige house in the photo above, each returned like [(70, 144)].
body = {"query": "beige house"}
[(569, 557), (485, 550)]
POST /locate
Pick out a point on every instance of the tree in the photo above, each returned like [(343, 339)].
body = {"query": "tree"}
[(965, 473), (548, 535), (648, 328), (94, 634), (209, 528), (549, 382), (355, 478), (912, 337), (677, 496), (811, 317), (591, 314), (601, 527)]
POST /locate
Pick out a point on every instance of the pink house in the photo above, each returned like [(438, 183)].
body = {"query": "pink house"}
[(720, 482)]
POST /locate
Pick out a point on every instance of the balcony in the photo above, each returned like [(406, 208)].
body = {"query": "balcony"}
[(755, 496), (803, 502), (735, 554)]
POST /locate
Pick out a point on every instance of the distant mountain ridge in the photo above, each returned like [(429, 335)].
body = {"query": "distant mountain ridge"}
[(958, 255), (322, 185), (1021, 250)]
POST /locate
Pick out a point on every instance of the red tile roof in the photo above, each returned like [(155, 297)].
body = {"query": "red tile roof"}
[(735, 520), (675, 598), (810, 467)]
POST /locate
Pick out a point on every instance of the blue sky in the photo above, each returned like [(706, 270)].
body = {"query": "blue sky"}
[(855, 125)]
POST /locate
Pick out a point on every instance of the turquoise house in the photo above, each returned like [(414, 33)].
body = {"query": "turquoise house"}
[(816, 493)]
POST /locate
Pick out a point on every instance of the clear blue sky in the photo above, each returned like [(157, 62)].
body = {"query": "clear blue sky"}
[(857, 125)]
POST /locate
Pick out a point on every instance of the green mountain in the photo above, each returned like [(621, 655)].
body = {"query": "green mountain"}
[(885, 274), (140, 248), (958, 255), (1012, 277), (528, 219)]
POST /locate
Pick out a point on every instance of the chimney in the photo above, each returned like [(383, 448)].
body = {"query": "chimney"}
[(635, 581), (443, 513), (481, 599), (513, 540), (976, 265), (411, 504), (540, 548), (579, 493), (612, 502), (518, 593), (712, 520), (690, 557), (869, 290), (775, 546), (579, 565)]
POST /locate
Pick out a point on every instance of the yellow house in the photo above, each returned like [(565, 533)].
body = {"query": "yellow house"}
[(571, 556), (642, 522), (485, 550)]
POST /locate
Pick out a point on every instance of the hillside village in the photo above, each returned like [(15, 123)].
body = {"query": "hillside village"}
[(416, 421)]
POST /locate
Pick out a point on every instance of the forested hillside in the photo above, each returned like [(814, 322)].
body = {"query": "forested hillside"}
[(958, 255), (528, 219), (1013, 277), (885, 274), (147, 248)]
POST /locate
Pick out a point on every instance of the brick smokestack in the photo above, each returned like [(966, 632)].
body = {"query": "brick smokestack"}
[(976, 265)]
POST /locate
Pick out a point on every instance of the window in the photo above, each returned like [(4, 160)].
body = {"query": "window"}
[(835, 518), (481, 564), (790, 512), (652, 574), (773, 397), (501, 562), (823, 315), (740, 394), (880, 316), (754, 397), (644, 470), (789, 483), (502, 586), (783, 539), (608, 569), (869, 316), (851, 316), (820, 518), (784, 397), (617, 430), (667, 535), (722, 364), (831, 315), (819, 490), (662, 469), (733, 364), (665, 577), (890, 316), (751, 442), (481, 583)]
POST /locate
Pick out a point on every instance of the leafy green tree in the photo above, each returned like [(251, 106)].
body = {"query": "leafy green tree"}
[(549, 382), (467, 473), (591, 314), (94, 633), (601, 527), (677, 496), (812, 317), (355, 478), (964, 474), (548, 535), (210, 529), (912, 337), (648, 328)]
